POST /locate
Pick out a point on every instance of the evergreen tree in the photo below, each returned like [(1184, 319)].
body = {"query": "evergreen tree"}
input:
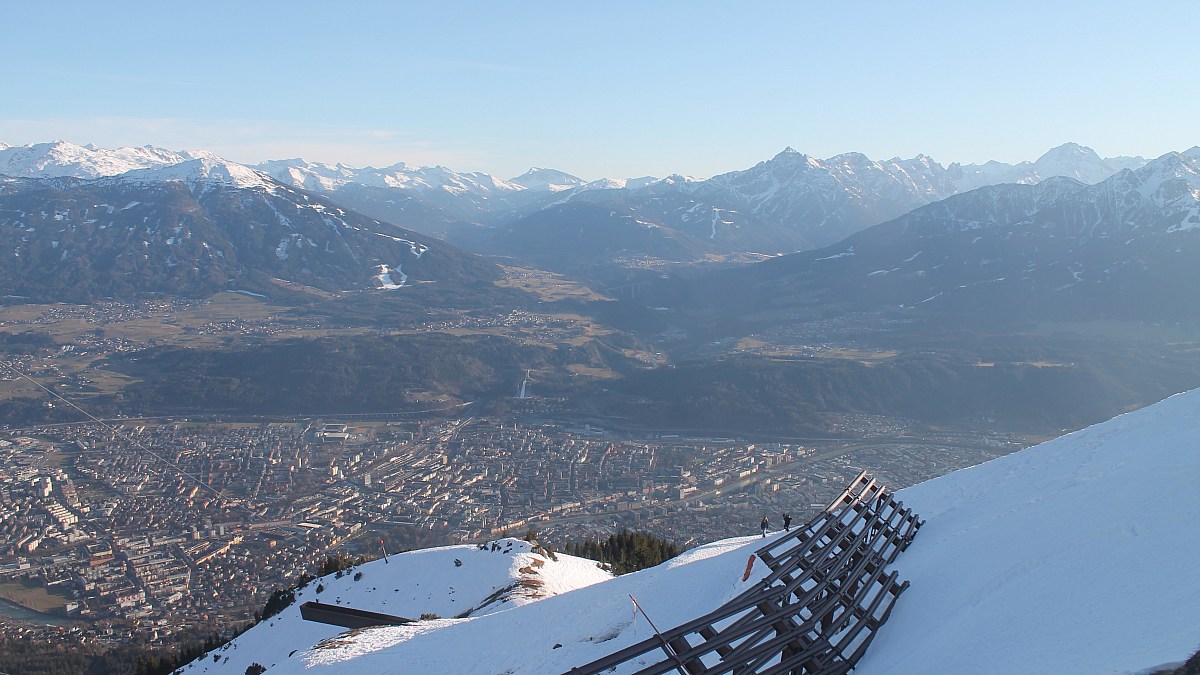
[(626, 551)]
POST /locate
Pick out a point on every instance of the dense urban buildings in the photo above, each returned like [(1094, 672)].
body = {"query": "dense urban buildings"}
[(139, 529)]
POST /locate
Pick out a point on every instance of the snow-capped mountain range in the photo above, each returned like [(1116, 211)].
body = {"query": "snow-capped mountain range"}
[(319, 177), (1125, 247), (797, 202), (62, 158), (791, 202), (1073, 556)]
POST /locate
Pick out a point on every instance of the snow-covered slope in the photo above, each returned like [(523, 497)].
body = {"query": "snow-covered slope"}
[(450, 582), (205, 169), (1075, 556), (586, 624)]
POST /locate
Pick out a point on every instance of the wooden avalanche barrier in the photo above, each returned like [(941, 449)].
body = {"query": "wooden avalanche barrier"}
[(815, 613)]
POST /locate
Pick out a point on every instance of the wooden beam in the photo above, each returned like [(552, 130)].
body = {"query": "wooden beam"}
[(348, 617)]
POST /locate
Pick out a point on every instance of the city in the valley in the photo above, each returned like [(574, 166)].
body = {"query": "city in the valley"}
[(134, 530)]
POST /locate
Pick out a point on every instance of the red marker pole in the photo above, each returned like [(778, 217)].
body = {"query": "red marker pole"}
[(385, 560), (749, 564)]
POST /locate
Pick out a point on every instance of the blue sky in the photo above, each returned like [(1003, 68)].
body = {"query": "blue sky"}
[(603, 89)]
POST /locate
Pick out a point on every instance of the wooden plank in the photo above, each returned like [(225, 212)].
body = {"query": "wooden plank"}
[(845, 493), (348, 617), (726, 635)]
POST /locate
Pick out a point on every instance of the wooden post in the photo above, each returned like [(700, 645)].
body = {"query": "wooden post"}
[(665, 646)]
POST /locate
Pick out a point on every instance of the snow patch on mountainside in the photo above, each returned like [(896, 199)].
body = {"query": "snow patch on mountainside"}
[(416, 248), (383, 278)]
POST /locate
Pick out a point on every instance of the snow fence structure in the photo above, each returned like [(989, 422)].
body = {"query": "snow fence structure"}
[(816, 612)]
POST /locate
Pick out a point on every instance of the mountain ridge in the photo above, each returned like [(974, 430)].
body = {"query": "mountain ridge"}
[(1056, 248), (200, 226), (821, 201)]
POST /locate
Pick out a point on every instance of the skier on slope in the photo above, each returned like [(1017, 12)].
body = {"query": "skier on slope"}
[(763, 526)]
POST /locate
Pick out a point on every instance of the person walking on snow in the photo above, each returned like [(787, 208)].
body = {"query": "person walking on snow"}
[(787, 522), (763, 526)]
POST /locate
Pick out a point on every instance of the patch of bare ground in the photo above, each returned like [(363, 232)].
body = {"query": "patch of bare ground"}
[(546, 286)]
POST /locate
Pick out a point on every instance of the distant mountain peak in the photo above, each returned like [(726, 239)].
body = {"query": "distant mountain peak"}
[(850, 158), (1170, 167), (204, 168), (398, 166), (621, 183), (678, 179), (553, 180), (1070, 146), (1173, 161), (1071, 151), (1071, 160), (789, 153)]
